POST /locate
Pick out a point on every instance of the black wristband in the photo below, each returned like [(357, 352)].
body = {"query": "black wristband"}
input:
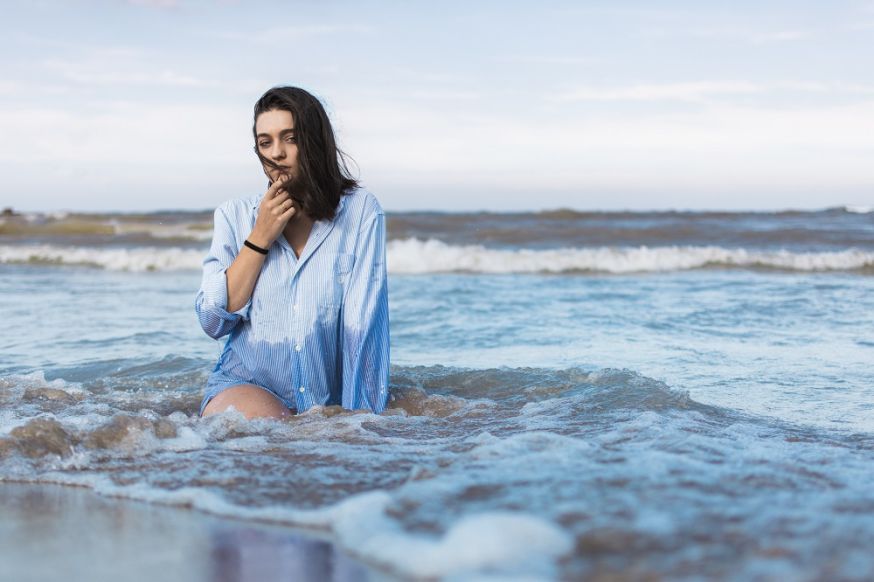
[(255, 247)]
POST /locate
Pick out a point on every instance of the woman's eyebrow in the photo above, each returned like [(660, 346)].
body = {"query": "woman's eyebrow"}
[(281, 133)]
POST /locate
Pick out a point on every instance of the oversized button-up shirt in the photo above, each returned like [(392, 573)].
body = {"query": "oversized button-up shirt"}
[(316, 329)]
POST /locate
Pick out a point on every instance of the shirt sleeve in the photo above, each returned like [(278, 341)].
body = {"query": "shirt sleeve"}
[(365, 326), (212, 298)]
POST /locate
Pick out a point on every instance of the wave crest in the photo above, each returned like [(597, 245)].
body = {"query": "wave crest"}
[(114, 259), (414, 256)]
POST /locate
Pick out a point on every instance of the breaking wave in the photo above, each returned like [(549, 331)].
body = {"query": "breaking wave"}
[(415, 256)]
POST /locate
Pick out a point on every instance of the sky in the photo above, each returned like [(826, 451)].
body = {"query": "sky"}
[(137, 105)]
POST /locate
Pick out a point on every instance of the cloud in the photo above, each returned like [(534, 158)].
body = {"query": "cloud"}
[(720, 147), (780, 36), (104, 73), (405, 147), (550, 60), (269, 36), (117, 65), (862, 25), (707, 91), (10, 87), (410, 138), (22, 88), (156, 3), (686, 91), (125, 132), (742, 35), (438, 95)]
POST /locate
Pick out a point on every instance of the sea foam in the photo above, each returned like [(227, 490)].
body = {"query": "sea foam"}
[(115, 259), (414, 256)]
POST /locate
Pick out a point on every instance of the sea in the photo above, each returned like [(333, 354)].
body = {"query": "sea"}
[(575, 395)]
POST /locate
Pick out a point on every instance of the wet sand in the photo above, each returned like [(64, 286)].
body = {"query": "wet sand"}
[(55, 532)]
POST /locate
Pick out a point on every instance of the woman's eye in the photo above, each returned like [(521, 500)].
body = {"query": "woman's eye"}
[(264, 144), (290, 139)]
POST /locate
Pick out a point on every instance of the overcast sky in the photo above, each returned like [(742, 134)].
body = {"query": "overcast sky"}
[(132, 105)]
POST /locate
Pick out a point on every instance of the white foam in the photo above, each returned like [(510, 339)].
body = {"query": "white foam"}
[(194, 497), (186, 439), (37, 379), (532, 442), (859, 209), (246, 444), (117, 259), (497, 541), (415, 256)]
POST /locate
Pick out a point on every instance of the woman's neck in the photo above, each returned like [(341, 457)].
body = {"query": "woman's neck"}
[(297, 231)]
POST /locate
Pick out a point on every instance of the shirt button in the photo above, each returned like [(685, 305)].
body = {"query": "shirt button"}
[(297, 348), (302, 389)]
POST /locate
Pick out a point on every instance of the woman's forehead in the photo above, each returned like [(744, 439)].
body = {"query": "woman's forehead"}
[(274, 121)]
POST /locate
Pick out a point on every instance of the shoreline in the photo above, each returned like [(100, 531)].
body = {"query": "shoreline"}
[(51, 531)]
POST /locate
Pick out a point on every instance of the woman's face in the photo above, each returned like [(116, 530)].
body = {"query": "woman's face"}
[(275, 141)]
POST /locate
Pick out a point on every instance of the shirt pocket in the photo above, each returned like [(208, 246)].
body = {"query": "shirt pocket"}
[(343, 266), (329, 306)]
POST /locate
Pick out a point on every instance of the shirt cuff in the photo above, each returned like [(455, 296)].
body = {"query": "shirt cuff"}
[(215, 297)]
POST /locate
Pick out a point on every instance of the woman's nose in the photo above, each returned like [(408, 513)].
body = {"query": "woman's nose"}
[(277, 152)]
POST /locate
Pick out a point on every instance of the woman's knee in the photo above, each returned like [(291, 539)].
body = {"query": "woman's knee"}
[(252, 401)]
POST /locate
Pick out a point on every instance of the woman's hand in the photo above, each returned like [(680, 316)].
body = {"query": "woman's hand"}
[(275, 211)]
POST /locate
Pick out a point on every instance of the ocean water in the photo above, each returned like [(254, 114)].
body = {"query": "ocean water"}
[(575, 395)]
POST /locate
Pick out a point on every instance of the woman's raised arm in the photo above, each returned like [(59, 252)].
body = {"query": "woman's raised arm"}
[(231, 270)]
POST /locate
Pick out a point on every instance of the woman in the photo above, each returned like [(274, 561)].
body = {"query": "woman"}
[(297, 276)]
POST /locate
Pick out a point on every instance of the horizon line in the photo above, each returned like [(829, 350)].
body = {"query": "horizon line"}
[(8, 211)]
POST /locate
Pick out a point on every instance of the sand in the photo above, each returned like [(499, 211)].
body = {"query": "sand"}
[(55, 532)]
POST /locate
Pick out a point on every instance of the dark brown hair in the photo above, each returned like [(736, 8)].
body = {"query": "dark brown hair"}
[(324, 174)]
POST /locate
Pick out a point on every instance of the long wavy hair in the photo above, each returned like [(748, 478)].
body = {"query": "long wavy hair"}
[(324, 173)]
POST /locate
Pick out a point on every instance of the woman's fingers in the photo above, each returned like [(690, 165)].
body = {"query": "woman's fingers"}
[(279, 203), (276, 186), (282, 207), (278, 199), (276, 208)]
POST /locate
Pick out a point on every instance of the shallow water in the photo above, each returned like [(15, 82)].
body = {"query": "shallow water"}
[(671, 422), (52, 532)]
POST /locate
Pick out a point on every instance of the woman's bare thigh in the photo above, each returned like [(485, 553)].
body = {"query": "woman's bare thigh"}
[(253, 401)]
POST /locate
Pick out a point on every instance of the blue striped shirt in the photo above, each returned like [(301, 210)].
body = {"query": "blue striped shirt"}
[(315, 330)]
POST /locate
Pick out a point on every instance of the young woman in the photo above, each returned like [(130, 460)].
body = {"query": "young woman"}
[(297, 278)]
